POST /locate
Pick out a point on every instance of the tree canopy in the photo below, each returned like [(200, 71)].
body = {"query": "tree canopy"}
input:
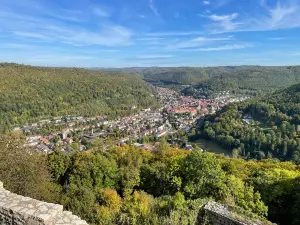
[(30, 93)]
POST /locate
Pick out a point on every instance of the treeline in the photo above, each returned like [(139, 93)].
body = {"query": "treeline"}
[(28, 93), (207, 81), (260, 128), (253, 81), (127, 185)]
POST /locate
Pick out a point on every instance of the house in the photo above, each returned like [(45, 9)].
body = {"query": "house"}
[(138, 145), (43, 148), (68, 140), (58, 121), (65, 133), (33, 138), (45, 141), (161, 133), (148, 147)]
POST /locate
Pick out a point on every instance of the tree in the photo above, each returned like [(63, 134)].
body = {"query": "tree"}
[(244, 196), (24, 171), (58, 162), (203, 176), (135, 209)]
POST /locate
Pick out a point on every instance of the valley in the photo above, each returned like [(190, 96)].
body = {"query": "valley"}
[(95, 140), (150, 112)]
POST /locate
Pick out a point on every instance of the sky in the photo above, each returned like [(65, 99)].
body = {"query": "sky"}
[(144, 33)]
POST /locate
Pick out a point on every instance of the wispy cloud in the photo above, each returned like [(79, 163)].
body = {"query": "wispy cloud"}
[(52, 28), (67, 17), (177, 15), (153, 8), (196, 42), (229, 17), (32, 35), (99, 11), (174, 33), (151, 39), (276, 38), (295, 54), (150, 57), (224, 23), (107, 36), (221, 48), (16, 46), (220, 3), (283, 15), (92, 32)]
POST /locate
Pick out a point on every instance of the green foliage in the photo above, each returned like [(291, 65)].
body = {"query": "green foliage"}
[(58, 163), (127, 185), (30, 93), (245, 196), (207, 81), (23, 171), (246, 80), (93, 171), (272, 130), (203, 176)]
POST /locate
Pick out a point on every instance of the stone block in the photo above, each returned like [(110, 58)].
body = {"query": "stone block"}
[(19, 210)]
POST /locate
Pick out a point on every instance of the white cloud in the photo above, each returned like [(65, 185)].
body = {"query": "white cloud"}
[(107, 36), (200, 41), (16, 46), (101, 12), (150, 57), (150, 39), (285, 14), (31, 26), (224, 23), (33, 35), (220, 3), (221, 48), (229, 17), (155, 56), (153, 8), (175, 33), (276, 38), (206, 2)]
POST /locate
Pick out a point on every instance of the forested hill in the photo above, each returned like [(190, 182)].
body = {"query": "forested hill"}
[(290, 95), (259, 128), (28, 93), (207, 81), (247, 81)]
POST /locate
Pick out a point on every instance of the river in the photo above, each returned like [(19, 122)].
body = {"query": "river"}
[(213, 147)]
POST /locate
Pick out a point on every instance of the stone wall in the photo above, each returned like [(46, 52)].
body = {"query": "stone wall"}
[(217, 214), (19, 210)]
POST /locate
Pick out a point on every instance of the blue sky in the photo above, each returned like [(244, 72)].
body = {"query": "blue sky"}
[(125, 33)]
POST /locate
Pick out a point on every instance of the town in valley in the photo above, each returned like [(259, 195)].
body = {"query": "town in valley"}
[(142, 129)]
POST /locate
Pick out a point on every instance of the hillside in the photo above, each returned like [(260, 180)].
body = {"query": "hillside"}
[(259, 128), (28, 93), (247, 81), (207, 81)]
